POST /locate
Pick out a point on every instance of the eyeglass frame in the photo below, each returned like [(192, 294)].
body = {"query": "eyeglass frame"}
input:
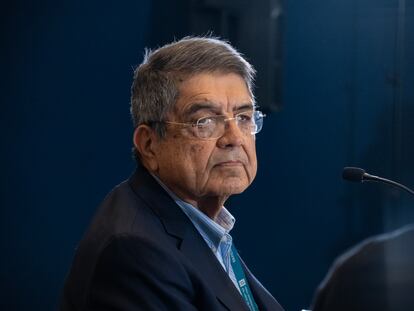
[(261, 115)]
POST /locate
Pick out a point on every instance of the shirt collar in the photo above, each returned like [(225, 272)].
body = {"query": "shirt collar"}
[(213, 230)]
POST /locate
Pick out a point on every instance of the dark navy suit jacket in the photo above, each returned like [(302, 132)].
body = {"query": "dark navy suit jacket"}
[(142, 252)]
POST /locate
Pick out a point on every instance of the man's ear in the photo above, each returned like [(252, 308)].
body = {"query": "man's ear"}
[(145, 140)]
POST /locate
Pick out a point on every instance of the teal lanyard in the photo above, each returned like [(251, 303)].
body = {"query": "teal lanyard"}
[(241, 280)]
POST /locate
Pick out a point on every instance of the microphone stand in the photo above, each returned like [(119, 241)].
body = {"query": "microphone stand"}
[(369, 177)]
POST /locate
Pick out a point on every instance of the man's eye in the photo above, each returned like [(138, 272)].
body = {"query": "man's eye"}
[(244, 117), (205, 121)]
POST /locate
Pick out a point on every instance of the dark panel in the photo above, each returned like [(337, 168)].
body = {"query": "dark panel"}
[(255, 28)]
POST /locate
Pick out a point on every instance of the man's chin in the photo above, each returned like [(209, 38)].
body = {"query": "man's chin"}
[(230, 187)]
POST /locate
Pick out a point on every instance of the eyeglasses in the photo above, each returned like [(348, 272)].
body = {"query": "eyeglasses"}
[(211, 127)]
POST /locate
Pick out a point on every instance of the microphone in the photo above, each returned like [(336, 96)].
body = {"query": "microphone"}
[(357, 174)]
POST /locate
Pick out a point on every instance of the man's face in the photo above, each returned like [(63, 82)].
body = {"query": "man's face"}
[(194, 168)]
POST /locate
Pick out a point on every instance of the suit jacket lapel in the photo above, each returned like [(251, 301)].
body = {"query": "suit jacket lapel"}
[(177, 224), (197, 251)]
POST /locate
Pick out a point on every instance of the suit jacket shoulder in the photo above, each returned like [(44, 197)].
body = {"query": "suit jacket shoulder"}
[(141, 252)]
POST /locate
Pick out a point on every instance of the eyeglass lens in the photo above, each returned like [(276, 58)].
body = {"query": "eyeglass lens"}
[(214, 126)]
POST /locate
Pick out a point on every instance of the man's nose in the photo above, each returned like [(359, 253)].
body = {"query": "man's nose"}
[(232, 136)]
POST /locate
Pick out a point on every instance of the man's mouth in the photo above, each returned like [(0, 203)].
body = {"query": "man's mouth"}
[(230, 163)]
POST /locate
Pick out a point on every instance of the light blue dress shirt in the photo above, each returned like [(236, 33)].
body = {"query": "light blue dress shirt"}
[(215, 233)]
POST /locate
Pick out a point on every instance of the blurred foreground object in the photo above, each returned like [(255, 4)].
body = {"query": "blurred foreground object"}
[(377, 274)]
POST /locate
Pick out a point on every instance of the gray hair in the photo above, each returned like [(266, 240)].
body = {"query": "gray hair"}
[(154, 90)]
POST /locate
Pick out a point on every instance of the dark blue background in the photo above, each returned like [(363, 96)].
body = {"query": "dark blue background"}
[(348, 99)]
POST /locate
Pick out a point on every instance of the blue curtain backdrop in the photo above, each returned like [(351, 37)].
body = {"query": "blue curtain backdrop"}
[(348, 99)]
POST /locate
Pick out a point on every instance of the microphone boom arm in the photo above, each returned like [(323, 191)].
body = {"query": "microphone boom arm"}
[(369, 177)]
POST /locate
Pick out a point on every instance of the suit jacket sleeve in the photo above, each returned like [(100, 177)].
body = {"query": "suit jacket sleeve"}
[(135, 274)]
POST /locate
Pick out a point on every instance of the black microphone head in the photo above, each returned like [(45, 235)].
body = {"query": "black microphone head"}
[(353, 174)]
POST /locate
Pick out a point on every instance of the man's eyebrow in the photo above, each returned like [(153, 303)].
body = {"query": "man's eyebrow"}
[(246, 106), (216, 107), (212, 106), (200, 106)]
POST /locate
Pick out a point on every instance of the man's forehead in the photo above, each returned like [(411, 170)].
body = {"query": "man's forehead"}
[(215, 91)]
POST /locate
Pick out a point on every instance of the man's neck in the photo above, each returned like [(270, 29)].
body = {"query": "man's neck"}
[(211, 206)]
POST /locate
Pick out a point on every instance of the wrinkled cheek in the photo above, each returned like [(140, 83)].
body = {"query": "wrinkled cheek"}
[(196, 149), (253, 163), (254, 167), (195, 158)]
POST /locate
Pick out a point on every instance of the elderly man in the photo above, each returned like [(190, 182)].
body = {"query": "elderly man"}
[(161, 240)]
